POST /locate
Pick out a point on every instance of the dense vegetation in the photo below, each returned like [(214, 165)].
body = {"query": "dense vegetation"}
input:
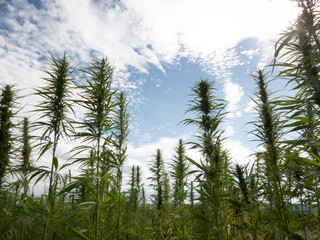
[(277, 197)]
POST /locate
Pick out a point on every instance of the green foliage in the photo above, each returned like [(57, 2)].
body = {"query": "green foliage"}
[(54, 121), (26, 149), (275, 197), (179, 173), (6, 114), (213, 172), (268, 129), (157, 169), (119, 148), (26, 144), (180, 168), (96, 130)]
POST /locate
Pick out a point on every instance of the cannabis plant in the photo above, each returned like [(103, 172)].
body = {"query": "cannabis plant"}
[(54, 109), (297, 53), (26, 150), (6, 114), (119, 148), (158, 181), (268, 131), (180, 171), (213, 171), (95, 129)]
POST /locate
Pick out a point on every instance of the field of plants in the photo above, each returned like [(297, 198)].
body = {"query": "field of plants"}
[(277, 197)]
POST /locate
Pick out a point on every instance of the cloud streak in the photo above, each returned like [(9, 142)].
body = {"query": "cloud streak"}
[(138, 33)]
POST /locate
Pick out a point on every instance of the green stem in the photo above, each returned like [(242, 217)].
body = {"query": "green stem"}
[(119, 203), (97, 213), (51, 194)]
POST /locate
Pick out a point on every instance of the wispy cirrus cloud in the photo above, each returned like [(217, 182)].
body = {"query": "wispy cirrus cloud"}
[(199, 28), (31, 33), (132, 33), (139, 33)]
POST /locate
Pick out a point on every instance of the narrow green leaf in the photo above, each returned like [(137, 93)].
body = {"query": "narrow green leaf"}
[(80, 234), (308, 161), (26, 210), (44, 149), (55, 163), (194, 162), (41, 176), (64, 165)]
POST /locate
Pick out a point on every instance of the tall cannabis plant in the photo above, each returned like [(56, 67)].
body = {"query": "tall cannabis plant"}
[(54, 122), (179, 172), (268, 131), (96, 126), (157, 178), (120, 134), (297, 53), (134, 192), (119, 147), (26, 150), (213, 170), (157, 169), (6, 113), (180, 168)]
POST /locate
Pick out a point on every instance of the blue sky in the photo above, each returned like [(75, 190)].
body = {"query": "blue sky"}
[(158, 49)]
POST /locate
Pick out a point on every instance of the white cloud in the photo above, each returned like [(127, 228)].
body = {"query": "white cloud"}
[(250, 106), (206, 30), (162, 126), (233, 94), (31, 35), (238, 152), (111, 31), (201, 27), (219, 63), (137, 33), (251, 53), (228, 131), (133, 33)]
